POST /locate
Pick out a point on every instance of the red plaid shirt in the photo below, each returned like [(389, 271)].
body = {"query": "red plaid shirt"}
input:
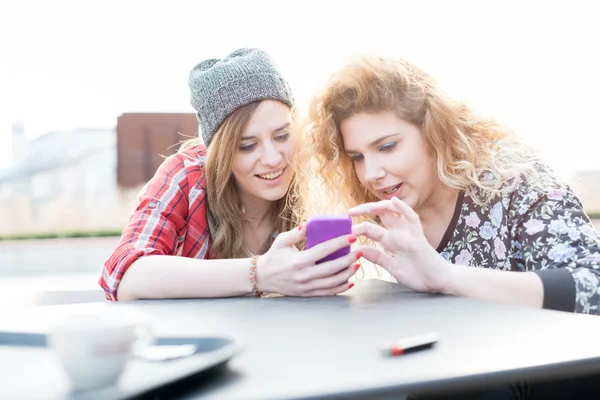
[(170, 218)]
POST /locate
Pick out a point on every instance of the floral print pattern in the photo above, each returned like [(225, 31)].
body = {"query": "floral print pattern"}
[(529, 229)]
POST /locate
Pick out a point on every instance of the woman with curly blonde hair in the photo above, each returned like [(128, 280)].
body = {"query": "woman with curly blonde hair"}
[(460, 204)]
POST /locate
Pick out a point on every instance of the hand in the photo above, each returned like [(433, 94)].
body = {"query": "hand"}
[(285, 270), (409, 258)]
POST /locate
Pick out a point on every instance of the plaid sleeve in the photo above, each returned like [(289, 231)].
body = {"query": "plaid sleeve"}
[(158, 220)]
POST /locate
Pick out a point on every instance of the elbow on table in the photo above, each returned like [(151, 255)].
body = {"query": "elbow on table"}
[(126, 291)]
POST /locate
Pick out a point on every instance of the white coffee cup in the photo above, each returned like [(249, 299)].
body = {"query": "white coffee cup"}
[(94, 347)]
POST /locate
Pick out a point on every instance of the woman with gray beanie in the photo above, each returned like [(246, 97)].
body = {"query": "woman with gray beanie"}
[(222, 217)]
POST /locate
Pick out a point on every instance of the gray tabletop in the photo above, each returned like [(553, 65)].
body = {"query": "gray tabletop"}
[(328, 347)]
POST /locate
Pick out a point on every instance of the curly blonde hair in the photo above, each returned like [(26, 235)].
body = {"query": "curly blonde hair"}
[(476, 155)]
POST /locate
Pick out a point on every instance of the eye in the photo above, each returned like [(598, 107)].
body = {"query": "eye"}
[(247, 147), (282, 137), (356, 157), (387, 147)]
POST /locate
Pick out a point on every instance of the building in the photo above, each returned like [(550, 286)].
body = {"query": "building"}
[(86, 179), (144, 139), (56, 175)]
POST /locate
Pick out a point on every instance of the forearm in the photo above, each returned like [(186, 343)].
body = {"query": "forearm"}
[(169, 277), (521, 288)]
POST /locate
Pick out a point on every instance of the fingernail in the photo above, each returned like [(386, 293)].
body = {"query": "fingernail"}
[(356, 267), (359, 255), (352, 239), (300, 227), (350, 285)]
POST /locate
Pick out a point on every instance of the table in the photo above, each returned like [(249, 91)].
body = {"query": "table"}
[(329, 347)]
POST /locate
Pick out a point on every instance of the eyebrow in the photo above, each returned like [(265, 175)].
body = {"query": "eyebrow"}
[(376, 141), (281, 128)]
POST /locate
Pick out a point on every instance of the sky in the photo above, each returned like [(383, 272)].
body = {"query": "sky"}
[(534, 65)]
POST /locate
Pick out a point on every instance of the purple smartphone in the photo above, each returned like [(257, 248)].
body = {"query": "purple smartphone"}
[(320, 228)]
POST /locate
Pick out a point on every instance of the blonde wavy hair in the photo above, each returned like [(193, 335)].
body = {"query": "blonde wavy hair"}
[(224, 207), (476, 155)]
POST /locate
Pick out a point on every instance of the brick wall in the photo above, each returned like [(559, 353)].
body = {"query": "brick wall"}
[(144, 138)]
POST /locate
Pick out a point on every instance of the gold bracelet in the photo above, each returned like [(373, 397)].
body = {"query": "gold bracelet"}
[(257, 292)]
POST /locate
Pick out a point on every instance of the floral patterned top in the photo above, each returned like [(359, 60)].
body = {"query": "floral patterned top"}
[(528, 229)]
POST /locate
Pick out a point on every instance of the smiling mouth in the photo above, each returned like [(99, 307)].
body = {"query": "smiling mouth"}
[(392, 189), (271, 176)]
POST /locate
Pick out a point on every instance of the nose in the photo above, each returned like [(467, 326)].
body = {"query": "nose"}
[(373, 171), (271, 156)]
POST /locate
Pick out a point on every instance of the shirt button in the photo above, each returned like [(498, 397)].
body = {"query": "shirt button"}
[(152, 204)]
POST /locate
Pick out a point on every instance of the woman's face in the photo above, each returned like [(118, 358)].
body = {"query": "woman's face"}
[(260, 166), (391, 157)]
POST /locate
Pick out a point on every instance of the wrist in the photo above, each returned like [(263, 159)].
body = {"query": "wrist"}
[(442, 276), (454, 277), (253, 276), (261, 278)]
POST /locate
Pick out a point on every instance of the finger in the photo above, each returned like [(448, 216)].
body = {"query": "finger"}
[(342, 287), (362, 209), (390, 220), (291, 237), (405, 210), (389, 211), (370, 230), (326, 248), (375, 208), (377, 256), (332, 267), (332, 281), (394, 205)]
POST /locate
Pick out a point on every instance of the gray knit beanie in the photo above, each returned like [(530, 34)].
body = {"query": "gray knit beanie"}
[(220, 86)]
